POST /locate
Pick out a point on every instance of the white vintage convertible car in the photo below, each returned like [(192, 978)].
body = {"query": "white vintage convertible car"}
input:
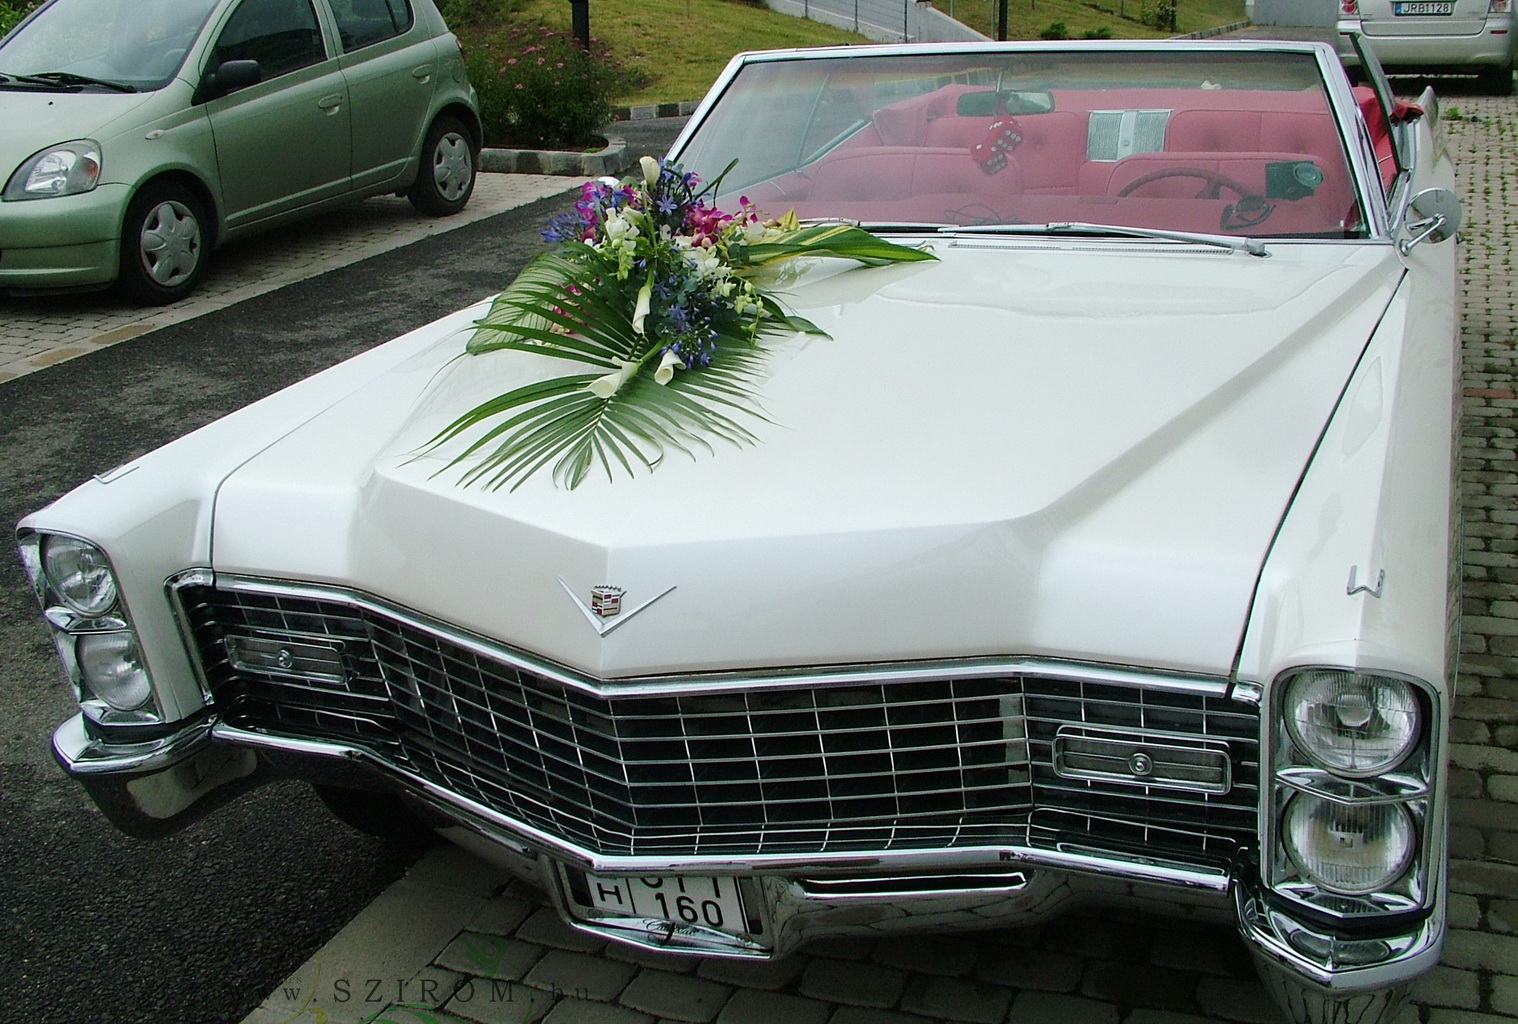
[(1077, 528)]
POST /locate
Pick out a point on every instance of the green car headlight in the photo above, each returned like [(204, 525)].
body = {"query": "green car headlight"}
[(1351, 723), (62, 170)]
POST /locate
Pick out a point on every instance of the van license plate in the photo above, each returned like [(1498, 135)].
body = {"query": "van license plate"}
[(1423, 7)]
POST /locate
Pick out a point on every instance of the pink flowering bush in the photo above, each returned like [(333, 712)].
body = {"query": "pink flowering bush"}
[(539, 90)]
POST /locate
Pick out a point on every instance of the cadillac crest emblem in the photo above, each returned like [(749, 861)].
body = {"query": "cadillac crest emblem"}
[(606, 601)]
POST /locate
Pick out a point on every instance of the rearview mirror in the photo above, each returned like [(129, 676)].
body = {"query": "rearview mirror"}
[(1433, 215)]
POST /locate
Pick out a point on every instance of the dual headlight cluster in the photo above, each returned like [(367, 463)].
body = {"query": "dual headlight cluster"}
[(1351, 790), (81, 600)]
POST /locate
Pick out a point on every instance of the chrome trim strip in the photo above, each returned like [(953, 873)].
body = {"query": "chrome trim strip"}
[(489, 820), (716, 681), (81, 754)]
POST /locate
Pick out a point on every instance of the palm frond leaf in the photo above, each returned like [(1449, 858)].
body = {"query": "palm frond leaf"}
[(671, 316)]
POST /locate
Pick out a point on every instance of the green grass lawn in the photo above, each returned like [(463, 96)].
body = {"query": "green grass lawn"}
[(681, 45)]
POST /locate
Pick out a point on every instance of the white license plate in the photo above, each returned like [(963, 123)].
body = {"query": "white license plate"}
[(1423, 7), (683, 899)]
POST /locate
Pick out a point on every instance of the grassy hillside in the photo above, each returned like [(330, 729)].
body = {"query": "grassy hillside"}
[(681, 45)]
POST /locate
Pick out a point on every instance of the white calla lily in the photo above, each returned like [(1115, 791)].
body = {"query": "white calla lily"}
[(650, 168), (667, 367), (645, 299), (605, 387)]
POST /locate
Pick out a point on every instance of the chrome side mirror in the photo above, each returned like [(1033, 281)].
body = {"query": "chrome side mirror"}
[(1433, 215)]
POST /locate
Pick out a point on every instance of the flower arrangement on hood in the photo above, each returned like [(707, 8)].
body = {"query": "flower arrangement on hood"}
[(654, 288)]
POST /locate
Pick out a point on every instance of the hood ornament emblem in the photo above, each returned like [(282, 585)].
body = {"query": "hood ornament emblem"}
[(604, 612)]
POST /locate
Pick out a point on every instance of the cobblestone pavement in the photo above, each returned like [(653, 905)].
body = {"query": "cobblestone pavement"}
[(38, 332), (462, 941)]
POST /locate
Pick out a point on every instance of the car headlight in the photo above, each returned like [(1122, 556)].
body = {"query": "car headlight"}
[(79, 575), (111, 669), (1353, 849), (62, 170), (1351, 723), (82, 603)]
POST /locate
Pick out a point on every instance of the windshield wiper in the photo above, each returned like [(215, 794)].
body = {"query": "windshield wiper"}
[(1247, 245), (876, 225), (68, 79)]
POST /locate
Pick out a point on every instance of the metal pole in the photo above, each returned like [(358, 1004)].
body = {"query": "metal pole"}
[(1001, 20), (579, 16)]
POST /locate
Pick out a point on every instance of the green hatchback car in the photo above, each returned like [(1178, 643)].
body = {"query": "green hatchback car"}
[(136, 135)]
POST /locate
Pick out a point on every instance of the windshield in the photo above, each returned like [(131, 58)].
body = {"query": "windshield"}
[(1184, 140), (138, 44)]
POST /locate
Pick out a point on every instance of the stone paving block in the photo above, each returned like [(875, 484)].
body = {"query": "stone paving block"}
[(1438, 1015), (1238, 999), (866, 1015), (675, 996), (957, 999), (545, 927), (949, 955), (499, 1002), (750, 1007), (1482, 951), (482, 955), (1037, 969), (451, 867), (643, 957), (844, 947), (1106, 938), (1201, 949), (1505, 995), (501, 915), (757, 974), (580, 976), (1464, 911), (1056, 1008), (1164, 1017), (1448, 986), (851, 983), (1501, 916), (1483, 878), (579, 1011), (1157, 987)]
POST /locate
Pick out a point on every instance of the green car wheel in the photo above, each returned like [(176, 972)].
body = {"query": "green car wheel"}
[(163, 245), (446, 178)]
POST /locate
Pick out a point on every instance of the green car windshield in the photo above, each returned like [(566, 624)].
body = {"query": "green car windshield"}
[(124, 44), (1241, 143)]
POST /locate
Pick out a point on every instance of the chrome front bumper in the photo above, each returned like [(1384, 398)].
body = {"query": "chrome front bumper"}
[(158, 787)]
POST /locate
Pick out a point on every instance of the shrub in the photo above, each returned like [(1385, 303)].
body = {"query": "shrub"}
[(1097, 33), (12, 11), (538, 89), (1055, 31), (462, 13)]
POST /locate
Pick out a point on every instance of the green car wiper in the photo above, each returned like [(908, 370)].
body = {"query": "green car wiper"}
[(68, 79)]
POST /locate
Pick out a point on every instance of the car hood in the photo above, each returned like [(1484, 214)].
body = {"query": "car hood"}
[(33, 120), (1080, 452)]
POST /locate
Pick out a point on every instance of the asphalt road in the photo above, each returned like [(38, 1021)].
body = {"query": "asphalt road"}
[(201, 926)]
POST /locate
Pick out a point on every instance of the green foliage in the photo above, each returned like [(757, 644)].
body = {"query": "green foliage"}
[(12, 11), (1160, 14), (461, 13), (538, 89), (1057, 30), (1102, 32)]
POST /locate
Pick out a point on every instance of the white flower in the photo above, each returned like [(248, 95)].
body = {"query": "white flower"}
[(650, 170), (667, 367), (605, 387), (645, 299)]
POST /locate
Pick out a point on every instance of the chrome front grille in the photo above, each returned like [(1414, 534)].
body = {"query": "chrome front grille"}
[(859, 763)]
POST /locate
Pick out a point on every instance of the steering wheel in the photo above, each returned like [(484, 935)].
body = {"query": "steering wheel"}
[(1214, 180), (1251, 209)]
